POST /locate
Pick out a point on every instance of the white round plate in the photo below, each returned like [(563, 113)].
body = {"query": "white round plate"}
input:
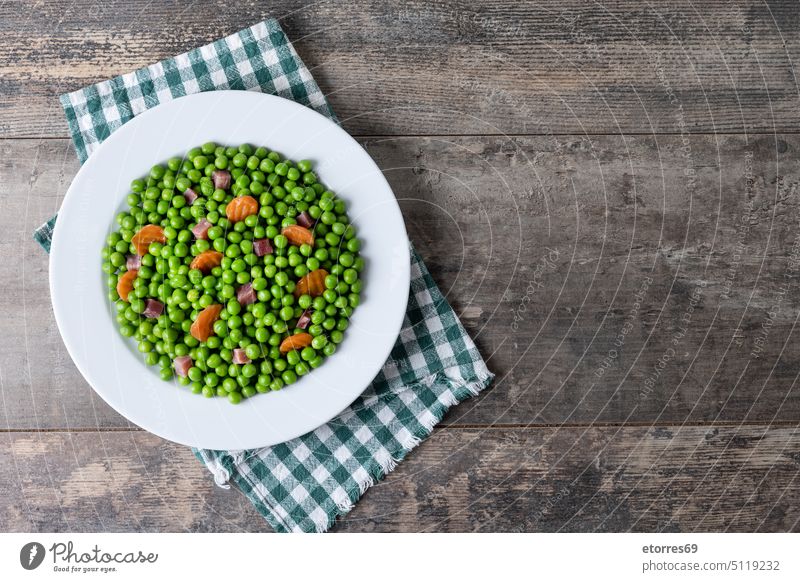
[(112, 364)]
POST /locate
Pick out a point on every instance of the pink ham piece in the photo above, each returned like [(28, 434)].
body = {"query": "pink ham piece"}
[(240, 357), (305, 319), (190, 196), (153, 308), (304, 220), (245, 294), (133, 263), (221, 179), (200, 230), (182, 365), (262, 247)]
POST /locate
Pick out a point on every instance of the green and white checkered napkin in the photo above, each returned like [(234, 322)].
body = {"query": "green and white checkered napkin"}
[(305, 483)]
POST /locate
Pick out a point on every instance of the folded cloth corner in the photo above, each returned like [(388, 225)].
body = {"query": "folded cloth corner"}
[(306, 483)]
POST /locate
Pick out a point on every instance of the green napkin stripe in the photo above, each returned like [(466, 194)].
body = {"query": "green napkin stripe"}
[(306, 483), (258, 58)]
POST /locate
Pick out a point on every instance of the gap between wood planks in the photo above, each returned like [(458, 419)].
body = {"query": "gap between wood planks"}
[(553, 134), (493, 427)]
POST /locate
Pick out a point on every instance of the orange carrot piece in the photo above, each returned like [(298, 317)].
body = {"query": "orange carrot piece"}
[(312, 284), (297, 341), (203, 326), (206, 261), (240, 208), (298, 235), (125, 283), (149, 233)]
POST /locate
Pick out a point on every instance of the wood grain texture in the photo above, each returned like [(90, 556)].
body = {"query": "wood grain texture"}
[(448, 67), (600, 286), (549, 479), (628, 262)]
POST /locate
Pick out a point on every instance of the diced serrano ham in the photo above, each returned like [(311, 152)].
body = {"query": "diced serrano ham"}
[(190, 196), (305, 319), (221, 179), (153, 308), (200, 230), (133, 262), (240, 357), (182, 365), (245, 294), (304, 220), (262, 247)]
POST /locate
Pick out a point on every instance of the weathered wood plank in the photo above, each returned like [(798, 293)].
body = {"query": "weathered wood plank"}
[(446, 67), (693, 284), (546, 479)]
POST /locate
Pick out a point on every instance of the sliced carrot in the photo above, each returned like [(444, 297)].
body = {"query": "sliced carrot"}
[(125, 283), (312, 284), (240, 208), (203, 326), (149, 233), (206, 261), (298, 235), (297, 341)]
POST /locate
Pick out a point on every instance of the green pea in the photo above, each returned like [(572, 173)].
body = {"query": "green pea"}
[(259, 328), (350, 276), (292, 358), (220, 328), (304, 301), (117, 259), (329, 295), (253, 351), (346, 259)]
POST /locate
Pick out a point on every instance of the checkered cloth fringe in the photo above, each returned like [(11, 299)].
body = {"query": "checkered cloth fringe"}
[(306, 483)]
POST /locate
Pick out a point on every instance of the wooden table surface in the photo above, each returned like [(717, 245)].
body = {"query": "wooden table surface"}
[(607, 193)]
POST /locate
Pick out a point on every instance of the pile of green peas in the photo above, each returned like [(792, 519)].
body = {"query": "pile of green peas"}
[(284, 190)]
